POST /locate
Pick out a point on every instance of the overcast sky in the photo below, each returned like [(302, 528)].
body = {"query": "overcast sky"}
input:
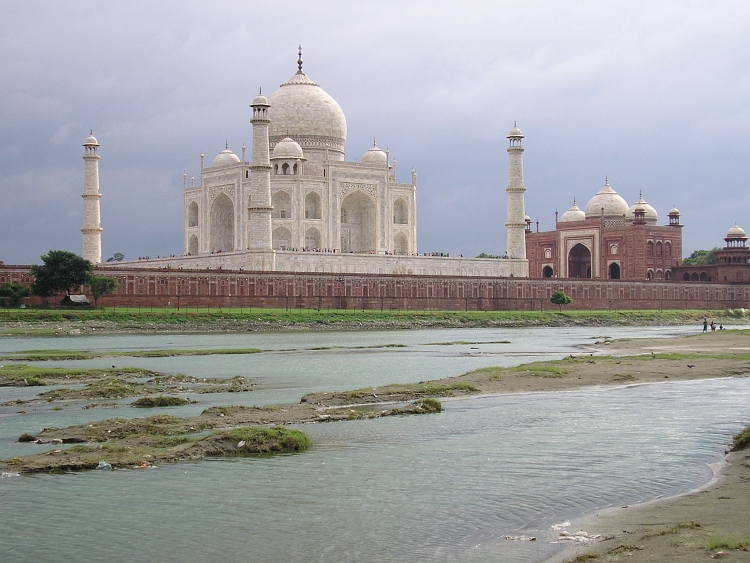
[(654, 95)]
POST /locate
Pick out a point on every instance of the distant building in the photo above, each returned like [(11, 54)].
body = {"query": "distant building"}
[(732, 262), (607, 240)]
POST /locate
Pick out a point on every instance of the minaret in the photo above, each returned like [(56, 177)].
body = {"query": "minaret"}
[(516, 225), (92, 230), (259, 229)]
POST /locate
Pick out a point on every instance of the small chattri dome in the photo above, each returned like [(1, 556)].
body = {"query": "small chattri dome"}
[(91, 140), (288, 148), (649, 213), (736, 232), (573, 214), (226, 157), (674, 211), (375, 156), (515, 132), (613, 204), (260, 100)]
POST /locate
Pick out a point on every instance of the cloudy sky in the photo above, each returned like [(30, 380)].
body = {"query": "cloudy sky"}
[(652, 94)]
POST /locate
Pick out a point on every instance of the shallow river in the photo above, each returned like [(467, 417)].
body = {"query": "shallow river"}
[(442, 487)]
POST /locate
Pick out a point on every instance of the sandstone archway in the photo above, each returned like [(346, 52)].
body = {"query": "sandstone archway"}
[(579, 262)]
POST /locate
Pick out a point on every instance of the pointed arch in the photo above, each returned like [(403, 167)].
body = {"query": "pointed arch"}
[(579, 262), (193, 214), (192, 245), (312, 238), (358, 223), (282, 238), (400, 212), (312, 206), (282, 205), (222, 224), (401, 244)]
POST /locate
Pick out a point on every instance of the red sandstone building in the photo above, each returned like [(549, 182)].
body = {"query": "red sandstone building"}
[(732, 263), (609, 240)]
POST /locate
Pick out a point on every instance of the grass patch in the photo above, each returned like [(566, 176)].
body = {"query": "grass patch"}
[(24, 375), (674, 529), (728, 542), (431, 405), (539, 370), (742, 440), (160, 401), (256, 441), (59, 355)]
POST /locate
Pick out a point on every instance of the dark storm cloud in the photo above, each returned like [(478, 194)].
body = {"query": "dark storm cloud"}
[(652, 94)]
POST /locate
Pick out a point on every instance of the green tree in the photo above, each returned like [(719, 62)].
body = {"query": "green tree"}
[(701, 257), (559, 298), (12, 293), (101, 285), (60, 272), (116, 257)]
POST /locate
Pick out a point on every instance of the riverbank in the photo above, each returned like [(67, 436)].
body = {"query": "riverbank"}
[(709, 523), (50, 322)]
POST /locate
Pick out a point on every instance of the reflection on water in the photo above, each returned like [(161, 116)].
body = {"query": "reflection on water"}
[(442, 487)]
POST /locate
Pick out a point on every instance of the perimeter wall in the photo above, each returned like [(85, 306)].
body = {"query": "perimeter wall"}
[(216, 288)]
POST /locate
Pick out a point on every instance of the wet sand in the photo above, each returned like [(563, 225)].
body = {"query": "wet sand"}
[(680, 529)]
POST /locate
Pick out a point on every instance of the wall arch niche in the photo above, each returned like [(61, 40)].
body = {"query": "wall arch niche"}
[(193, 214), (400, 212), (282, 205), (282, 238), (614, 271), (193, 245), (357, 223), (312, 206), (579, 262), (547, 272), (312, 238), (400, 244), (222, 224)]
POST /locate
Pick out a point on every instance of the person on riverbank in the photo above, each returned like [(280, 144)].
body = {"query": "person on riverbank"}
[(705, 325)]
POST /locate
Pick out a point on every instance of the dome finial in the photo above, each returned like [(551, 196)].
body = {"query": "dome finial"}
[(226, 145), (374, 144), (574, 202), (515, 123), (606, 180), (299, 61), (260, 90)]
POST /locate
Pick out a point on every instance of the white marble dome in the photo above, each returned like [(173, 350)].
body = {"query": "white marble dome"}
[(674, 211), (515, 132), (649, 213), (225, 157), (304, 111), (736, 232), (91, 140), (573, 214), (375, 156), (288, 148), (613, 203)]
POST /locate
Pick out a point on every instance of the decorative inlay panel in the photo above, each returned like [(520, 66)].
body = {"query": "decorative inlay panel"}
[(369, 189), (213, 191)]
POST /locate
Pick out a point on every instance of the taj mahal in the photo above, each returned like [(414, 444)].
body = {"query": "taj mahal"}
[(298, 205)]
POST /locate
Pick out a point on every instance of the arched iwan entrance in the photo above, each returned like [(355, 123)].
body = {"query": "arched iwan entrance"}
[(547, 272), (579, 262), (614, 271), (222, 224), (357, 223)]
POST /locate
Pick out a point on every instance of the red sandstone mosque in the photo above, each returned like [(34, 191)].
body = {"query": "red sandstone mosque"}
[(609, 240)]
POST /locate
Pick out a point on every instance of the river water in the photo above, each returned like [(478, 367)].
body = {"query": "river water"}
[(444, 487)]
